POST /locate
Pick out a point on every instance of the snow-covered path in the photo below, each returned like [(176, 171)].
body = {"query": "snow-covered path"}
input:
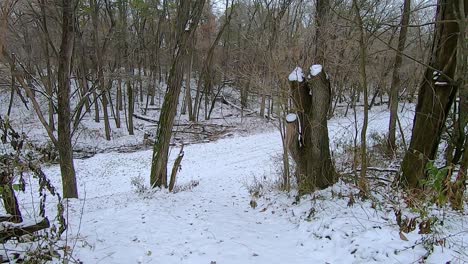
[(213, 222)]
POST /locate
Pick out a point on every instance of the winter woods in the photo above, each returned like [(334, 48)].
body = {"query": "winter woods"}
[(365, 94)]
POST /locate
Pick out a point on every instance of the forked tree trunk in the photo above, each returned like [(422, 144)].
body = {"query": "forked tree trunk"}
[(187, 21), (65, 147), (435, 97), (311, 152)]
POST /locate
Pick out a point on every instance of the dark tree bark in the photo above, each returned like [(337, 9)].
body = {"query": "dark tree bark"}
[(395, 86), (321, 19), (123, 6), (65, 147), (99, 67), (363, 79), (10, 202), (311, 151), (188, 15), (435, 97), (188, 78), (48, 84), (13, 86)]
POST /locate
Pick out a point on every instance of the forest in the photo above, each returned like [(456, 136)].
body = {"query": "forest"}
[(233, 131)]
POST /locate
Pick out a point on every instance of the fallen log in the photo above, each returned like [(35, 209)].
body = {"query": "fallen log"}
[(238, 107), (17, 230)]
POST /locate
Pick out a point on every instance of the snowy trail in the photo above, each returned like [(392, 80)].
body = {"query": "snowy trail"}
[(214, 222)]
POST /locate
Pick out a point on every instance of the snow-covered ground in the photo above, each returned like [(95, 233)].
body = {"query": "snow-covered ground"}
[(228, 207), (212, 218)]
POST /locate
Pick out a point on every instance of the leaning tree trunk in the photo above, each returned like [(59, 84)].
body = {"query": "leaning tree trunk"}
[(187, 21), (311, 151), (435, 97), (395, 86), (65, 148)]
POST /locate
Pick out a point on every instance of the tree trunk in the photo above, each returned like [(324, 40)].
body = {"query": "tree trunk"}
[(187, 21), (96, 106), (311, 151), (435, 97), (98, 67), (188, 78), (119, 101), (49, 85), (363, 77), (131, 107), (65, 148), (395, 86), (105, 102), (262, 105), (13, 87)]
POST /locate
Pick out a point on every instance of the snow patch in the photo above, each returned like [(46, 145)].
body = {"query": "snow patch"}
[(291, 117), (315, 69), (187, 26), (296, 75), (441, 83), (436, 75)]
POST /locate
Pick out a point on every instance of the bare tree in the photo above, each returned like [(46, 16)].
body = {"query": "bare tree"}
[(65, 147), (396, 80), (188, 15), (311, 150), (436, 95), (363, 81)]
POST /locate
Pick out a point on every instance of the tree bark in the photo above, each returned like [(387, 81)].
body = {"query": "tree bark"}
[(188, 78), (363, 79), (65, 148), (98, 67), (435, 98), (187, 21), (311, 151), (395, 86), (48, 85)]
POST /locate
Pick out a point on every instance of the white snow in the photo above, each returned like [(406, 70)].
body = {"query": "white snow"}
[(291, 117), (315, 69), (296, 75), (441, 83), (210, 220), (213, 221), (187, 26)]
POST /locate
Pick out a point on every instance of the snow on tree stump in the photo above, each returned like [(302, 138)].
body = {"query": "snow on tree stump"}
[(310, 150)]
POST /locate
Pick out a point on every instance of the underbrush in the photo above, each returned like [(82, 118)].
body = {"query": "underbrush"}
[(424, 221), (27, 235)]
